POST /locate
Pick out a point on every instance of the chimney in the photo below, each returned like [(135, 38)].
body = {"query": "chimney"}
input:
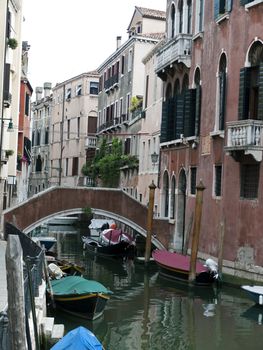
[(118, 42), (47, 89), (39, 91)]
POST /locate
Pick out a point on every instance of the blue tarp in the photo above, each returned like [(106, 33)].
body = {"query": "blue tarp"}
[(78, 339)]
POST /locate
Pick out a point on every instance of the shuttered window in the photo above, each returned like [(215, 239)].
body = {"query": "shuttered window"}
[(179, 115), (189, 112), (251, 93)]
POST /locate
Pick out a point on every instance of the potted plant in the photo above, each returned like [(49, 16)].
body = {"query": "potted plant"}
[(12, 43), (8, 153)]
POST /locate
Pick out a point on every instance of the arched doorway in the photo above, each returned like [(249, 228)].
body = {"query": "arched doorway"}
[(180, 219)]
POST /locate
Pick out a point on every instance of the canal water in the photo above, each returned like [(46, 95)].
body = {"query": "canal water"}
[(148, 312)]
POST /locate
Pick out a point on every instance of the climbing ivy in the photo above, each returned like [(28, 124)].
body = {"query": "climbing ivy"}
[(108, 162)]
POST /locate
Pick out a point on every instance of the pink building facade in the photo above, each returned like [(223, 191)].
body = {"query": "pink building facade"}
[(212, 122)]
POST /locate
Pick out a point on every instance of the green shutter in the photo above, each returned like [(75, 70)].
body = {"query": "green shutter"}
[(216, 8), (179, 115), (189, 112), (243, 102), (198, 110), (171, 119), (164, 124), (260, 92)]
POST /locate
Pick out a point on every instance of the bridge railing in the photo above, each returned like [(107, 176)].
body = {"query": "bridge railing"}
[(33, 257)]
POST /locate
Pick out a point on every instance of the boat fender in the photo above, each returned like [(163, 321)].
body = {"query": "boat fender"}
[(212, 267), (260, 299)]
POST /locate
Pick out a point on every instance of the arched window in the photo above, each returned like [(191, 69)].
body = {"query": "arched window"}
[(222, 91), (38, 164), (165, 194), (180, 10), (172, 21), (172, 211), (251, 85), (189, 16), (198, 99)]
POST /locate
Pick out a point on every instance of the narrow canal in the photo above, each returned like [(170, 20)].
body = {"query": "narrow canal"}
[(147, 312)]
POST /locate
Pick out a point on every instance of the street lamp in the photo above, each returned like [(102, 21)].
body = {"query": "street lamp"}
[(10, 127), (154, 157)]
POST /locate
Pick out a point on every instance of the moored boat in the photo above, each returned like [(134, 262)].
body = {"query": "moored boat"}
[(79, 338), (111, 243), (45, 241), (77, 295), (255, 293), (177, 266)]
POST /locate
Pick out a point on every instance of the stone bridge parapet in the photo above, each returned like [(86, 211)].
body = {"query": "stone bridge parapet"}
[(115, 202)]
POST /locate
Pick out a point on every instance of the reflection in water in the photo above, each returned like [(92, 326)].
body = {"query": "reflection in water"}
[(148, 312)]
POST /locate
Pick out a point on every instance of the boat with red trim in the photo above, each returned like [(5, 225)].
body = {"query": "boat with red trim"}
[(177, 266)]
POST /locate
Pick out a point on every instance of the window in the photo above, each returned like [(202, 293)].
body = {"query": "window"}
[(222, 7), (38, 164), (189, 16), (27, 103), (75, 166), (68, 94), (172, 21), (66, 167), (122, 64), (217, 180), (46, 135), (221, 95), (128, 104), (251, 85), (249, 181), (146, 91), (193, 180), (130, 61), (94, 88), (180, 10), (68, 132), (199, 25), (79, 90), (78, 127)]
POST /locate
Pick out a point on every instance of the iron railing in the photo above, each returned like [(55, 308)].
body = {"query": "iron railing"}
[(33, 256)]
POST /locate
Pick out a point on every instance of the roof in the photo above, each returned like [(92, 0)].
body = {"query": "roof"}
[(158, 36), (150, 13)]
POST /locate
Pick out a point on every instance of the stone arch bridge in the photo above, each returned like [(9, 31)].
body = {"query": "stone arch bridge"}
[(112, 203)]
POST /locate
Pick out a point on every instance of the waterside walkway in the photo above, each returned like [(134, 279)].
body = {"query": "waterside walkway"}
[(3, 286)]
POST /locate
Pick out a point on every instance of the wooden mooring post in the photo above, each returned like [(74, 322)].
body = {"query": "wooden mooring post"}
[(16, 297), (148, 244), (196, 230)]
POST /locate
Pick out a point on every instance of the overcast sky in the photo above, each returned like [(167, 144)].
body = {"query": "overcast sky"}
[(70, 37)]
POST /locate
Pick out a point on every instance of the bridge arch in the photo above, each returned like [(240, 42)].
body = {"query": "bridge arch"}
[(112, 203)]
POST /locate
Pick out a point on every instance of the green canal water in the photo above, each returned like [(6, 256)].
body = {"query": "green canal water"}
[(148, 312)]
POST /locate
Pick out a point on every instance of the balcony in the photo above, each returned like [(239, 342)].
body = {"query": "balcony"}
[(245, 136), (175, 50), (91, 142)]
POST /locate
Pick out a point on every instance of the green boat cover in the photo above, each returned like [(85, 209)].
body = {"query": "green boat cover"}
[(77, 285)]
